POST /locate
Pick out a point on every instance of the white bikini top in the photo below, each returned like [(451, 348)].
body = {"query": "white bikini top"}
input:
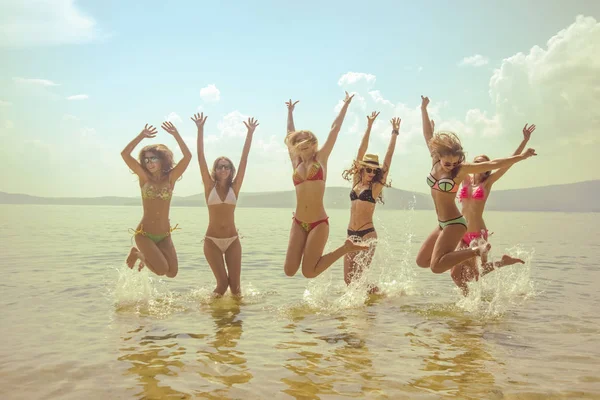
[(213, 197)]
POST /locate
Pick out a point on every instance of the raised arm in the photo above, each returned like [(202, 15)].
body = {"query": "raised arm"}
[(478, 168), (148, 132), (428, 124), (387, 161), (364, 144), (290, 121), (199, 120), (527, 131), (325, 151), (182, 165), (239, 176)]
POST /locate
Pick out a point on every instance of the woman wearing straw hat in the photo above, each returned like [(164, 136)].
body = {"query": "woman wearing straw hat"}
[(368, 179)]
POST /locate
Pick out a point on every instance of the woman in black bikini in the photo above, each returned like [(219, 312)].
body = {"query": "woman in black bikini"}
[(368, 179)]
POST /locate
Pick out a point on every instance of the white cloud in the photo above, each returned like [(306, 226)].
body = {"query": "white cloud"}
[(173, 117), (87, 132), (211, 138), (35, 82), (232, 125), (44, 22), (210, 93), (378, 98), (5, 103), (350, 78), (78, 97), (200, 109), (273, 145), (474, 61), (69, 117), (356, 100), (8, 124)]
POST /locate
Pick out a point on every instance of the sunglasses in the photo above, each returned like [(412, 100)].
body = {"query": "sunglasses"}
[(371, 170), (448, 165), (149, 160), (227, 167)]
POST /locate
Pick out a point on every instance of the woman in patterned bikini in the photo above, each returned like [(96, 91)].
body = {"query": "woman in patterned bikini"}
[(438, 251), (473, 195), (222, 247), (157, 177), (368, 179), (310, 225)]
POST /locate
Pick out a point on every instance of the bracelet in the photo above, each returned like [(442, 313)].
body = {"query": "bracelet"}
[(395, 131)]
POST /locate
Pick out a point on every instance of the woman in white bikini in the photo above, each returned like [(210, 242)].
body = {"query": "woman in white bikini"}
[(222, 247)]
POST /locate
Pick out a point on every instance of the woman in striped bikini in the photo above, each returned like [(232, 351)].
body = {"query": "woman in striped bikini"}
[(222, 185), (368, 179), (310, 226), (157, 177), (473, 195), (438, 252)]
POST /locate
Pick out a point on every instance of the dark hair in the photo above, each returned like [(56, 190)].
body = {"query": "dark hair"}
[(162, 152), (354, 173)]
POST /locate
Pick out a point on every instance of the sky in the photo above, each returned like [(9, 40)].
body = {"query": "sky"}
[(79, 79)]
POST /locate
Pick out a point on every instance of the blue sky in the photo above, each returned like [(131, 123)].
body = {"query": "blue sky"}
[(129, 63)]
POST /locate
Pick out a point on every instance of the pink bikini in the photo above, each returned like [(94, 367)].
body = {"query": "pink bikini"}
[(467, 191)]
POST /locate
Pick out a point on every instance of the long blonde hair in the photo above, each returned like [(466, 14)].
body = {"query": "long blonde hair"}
[(298, 138), (447, 144)]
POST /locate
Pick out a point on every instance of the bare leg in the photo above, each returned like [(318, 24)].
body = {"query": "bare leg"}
[(233, 259), (445, 255), (168, 249), (506, 260), (314, 262), (214, 256), (150, 255), (295, 249), (426, 250), (352, 269)]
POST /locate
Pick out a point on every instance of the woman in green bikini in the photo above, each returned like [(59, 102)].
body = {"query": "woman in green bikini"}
[(438, 252), (157, 177)]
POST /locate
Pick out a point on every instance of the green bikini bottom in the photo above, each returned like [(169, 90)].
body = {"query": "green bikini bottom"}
[(155, 237), (458, 220)]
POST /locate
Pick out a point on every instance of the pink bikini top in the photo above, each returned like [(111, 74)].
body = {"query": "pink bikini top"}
[(468, 191)]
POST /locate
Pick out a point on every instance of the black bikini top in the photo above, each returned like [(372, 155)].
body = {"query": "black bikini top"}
[(365, 195)]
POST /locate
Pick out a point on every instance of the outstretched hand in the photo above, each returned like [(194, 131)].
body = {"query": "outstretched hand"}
[(371, 118), (251, 124), (290, 105), (424, 101), (348, 98), (528, 153), (199, 119), (395, 123), (149, 131), (169, 127), (527, 131)]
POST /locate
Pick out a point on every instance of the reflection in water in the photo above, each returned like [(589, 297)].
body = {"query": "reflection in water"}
[(455, 359), (165, 367), (221, 362), (337, 364), (151, 358)]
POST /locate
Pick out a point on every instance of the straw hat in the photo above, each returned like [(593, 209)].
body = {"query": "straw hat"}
[(370, 160)]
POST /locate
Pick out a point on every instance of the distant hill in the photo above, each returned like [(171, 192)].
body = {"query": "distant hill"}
[(572, 197)]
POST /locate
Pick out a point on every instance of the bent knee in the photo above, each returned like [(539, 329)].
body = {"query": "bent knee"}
[(221, 288), (172, 272), (290, 270), (422, 262)]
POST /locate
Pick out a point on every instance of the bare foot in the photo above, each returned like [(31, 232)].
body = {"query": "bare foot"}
[(141, 265), (352, 247), (132, 257), (508, 260)]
